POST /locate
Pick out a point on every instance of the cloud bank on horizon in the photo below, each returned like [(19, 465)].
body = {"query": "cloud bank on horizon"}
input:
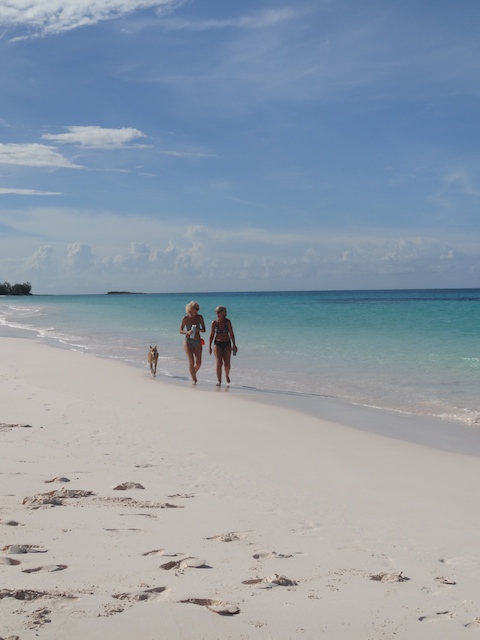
[(173, 145)]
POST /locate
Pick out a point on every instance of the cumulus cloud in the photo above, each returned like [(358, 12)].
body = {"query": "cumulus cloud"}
[(34, 155), (42, 259), (93, 253), (184, 266), (45, 17), (80, 256), (96, 137)]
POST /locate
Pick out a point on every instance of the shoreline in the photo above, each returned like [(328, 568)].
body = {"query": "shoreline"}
[(376, 370), (285, 524), (442, 433)]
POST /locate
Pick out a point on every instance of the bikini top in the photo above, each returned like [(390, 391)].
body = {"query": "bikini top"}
[(197, 332), (225, 329)]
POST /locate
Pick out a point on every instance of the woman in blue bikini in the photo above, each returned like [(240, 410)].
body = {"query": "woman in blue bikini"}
[(223, 340), (191, 326)]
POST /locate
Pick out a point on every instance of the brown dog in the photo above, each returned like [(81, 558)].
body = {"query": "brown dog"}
[(153, 359)]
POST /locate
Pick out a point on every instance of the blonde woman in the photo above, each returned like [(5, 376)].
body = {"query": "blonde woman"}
[(223, 339), (191, 327)]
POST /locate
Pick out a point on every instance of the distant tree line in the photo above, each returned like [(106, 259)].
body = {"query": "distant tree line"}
[(7, 289)]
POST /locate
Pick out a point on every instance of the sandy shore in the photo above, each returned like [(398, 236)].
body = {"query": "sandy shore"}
[(133, 508)]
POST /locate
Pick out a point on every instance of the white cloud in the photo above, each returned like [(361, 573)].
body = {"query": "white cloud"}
[(27, 192), (55, 16), (79, 256), (96, 137), (42, 259), (34, 155), (450, 255), (89, 252)]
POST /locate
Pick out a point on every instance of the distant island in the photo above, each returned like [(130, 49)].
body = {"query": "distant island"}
[(7, 289), (117, 293)]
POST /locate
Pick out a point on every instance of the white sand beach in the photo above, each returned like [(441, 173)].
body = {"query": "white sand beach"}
[(135, 508)]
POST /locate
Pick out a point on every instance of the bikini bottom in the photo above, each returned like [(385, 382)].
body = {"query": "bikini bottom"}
[(223, 345)]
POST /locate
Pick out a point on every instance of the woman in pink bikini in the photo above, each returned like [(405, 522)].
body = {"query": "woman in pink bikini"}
[(191, 326), (223, 340)]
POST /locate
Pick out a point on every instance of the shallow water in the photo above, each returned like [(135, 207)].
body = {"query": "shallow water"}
[(416, 352)]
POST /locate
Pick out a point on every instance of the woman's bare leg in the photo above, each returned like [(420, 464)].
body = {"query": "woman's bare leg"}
[(198, 357), (218, 358), (191, 362), (226, 361)]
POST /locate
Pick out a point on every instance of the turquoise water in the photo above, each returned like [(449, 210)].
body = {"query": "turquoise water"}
[(412, 351)]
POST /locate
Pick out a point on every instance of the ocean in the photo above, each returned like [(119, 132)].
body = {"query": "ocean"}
[(415, 352)]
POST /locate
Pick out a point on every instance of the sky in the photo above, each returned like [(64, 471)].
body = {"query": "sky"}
[(262, 145)]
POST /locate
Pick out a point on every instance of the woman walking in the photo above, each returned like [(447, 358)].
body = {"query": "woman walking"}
[(191, 327), (223, 339)]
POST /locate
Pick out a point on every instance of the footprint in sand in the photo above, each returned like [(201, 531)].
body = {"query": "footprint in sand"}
[(30, 594), (182, 495), (272, 581), (55, 498), (42, 500), (49, 567), (217, 606), (440, 615), (23, 548), (185, 563), (475, 624), (72, 493), (126, 486), (265, 555), (57, 479), (10, 523), (389, 577), (162, 552), (39, 617), (138, 504), (110, 610), (9, 561), (7, 427), (140, 596), (443, 580), (228, 537)]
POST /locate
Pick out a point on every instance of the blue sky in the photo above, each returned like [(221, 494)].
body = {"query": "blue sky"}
[(206, 145)]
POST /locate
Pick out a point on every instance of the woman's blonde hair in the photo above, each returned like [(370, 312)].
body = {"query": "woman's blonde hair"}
[(221, 310), (192, 305)]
